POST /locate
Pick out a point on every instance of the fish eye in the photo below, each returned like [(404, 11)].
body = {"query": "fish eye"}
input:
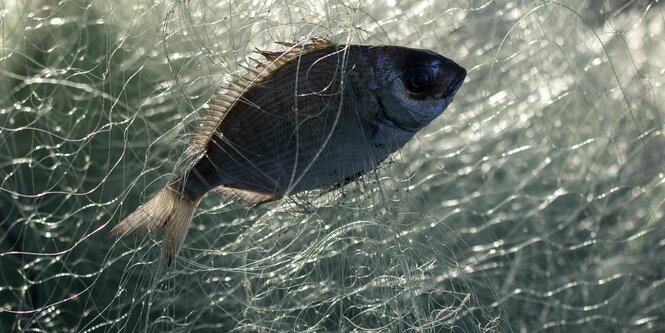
[(418, 79)]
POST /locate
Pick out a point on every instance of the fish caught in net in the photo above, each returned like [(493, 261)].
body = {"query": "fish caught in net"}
[(534, 203)]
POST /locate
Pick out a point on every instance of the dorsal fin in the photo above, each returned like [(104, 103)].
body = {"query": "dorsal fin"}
[(221, 102), (294, 50)]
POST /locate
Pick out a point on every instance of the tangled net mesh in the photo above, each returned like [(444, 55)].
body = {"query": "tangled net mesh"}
[(533, 204)]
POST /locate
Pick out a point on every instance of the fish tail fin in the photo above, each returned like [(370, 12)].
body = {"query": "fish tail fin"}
[(169, 211)]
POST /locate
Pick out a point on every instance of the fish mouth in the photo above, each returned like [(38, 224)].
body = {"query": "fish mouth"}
[(451, 85), (456, 82)]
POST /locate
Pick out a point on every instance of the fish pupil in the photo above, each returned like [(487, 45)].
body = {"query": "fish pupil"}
[(418, 79)]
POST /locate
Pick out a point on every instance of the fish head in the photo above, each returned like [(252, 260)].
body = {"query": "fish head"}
[(412, 87)]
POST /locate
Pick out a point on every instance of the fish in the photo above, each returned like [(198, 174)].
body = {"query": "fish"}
[(317, 114)]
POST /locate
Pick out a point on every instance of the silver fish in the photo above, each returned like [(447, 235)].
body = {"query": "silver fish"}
[(318, 114)]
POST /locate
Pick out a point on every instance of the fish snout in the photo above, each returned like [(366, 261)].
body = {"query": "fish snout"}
[(452, 77), (457, 80)]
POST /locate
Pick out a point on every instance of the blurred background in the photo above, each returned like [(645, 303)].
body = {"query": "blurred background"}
[(533, 204)]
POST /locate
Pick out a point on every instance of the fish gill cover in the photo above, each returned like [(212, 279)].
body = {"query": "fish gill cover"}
[(534, 203)]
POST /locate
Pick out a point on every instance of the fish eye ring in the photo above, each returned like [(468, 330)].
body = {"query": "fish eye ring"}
[(418, 79)]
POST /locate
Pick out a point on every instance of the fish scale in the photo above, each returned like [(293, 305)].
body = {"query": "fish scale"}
[(313, 116), (283, 133)]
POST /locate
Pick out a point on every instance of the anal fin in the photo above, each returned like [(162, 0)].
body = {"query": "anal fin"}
[(246, 197)]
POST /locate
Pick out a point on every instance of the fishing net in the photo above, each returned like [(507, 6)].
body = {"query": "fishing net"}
[(532, 204)]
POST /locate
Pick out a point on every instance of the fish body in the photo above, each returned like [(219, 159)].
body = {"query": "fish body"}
[(316, 115)]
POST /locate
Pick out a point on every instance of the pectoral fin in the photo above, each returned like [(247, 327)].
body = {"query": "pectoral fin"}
[(246, 197)]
